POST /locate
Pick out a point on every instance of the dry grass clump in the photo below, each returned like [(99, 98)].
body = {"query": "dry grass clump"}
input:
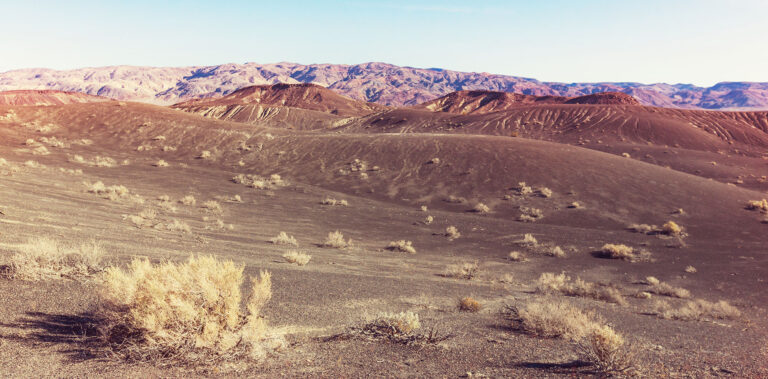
[(429, 219), (690, 269), (455, 200), (205, 154), (671, 228), (284, 239), (333, 202), (595, 342), (113, 192), (661, 288), (212, 206), (757, 205), (545, 192), (516, 256), (469, 304), (452, 232), (40, 150), (188, 200), (466, 270), (70, 171), (402, 246), (423, 208), (530, 214), (549, 283), (145, 218), (43, 258), (575, 205), (623, 252), (178, 226), (642, 228), (53, 142), (697, 310), (97, 161), (160, 163), (528, 240), (551, 251), (481, 208), (336, 240), (523, 189), (185, 312), (297, 257), (258, 182), (397, 327), (33, 164)]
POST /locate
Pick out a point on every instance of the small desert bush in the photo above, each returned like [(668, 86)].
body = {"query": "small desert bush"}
[(469, 304), (336, 240), (523, 189), (671, 228), (188, 200), (97, 161), (757, 205), (528, 240), (466, 270), (332, 202), (575, 205), (297, 257), (594, 341), (178, 226), (212, 206), (429, 219), (423, 208), (481, 208), (623, 252), (452, 232), (161, 163), (690, 269), (258, 182), (188, 312), (545, 192), (43, 258), (661, 288), (402, 246), (642, 228), (551, 251), (284, 239), (530, 214), (113, 192), (397, 327), (205, 154), (549, 283), (696, 310), (516, 256)]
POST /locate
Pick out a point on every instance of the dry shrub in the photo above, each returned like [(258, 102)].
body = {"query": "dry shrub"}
[(33, 164), (161, 163), (212, 206), (530, 214), (523, 189), (336, 240), (429, 219), (690, 269), (481, 208), (469, 304), (402, 246), (178, 226), (623, 252), (452, 232), (528, 240), (516, 256), (332, 202), (97, 161), (114, 192), (70, 171), (284, 239), (671, 228), (757, 205), (545, 192), (455, 200), (595, 342), (575, 205), (551, 251), (43, 258), (145, 218), (258, 182), (205, 154), (549, 283), (188, 200), (642, 228), (423, 208), (661, 288), (188, 312), (466, 270), (697, 310), (396, 327), (40, 150), (297, 257)]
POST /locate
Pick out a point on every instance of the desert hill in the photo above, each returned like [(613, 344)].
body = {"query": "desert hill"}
[(478, 102), (381, 83), (46, 97)]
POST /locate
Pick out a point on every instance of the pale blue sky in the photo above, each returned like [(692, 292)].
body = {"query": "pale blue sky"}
[(675, 41)]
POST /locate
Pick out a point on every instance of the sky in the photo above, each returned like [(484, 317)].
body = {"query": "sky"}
[(700, 42)]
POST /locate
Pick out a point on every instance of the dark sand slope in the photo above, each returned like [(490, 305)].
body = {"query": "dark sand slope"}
[(725, 242)]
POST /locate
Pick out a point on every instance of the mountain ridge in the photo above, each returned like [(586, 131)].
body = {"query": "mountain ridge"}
[(376, 82)]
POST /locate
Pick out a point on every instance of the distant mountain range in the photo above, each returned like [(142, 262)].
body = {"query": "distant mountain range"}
[(370, 82)]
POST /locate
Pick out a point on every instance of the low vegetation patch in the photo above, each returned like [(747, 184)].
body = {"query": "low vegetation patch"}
[(336, 240), (186, 312), (469, 304), (402, 246), (530, 214), (623, 252), (188, 200), (452, 232), (284, 239), (481, 208), (212, 206), (272, 182), (523, 189), (43, 258), (594, 341), (466, 270), (549, 283), (516, 256), (332, 202), (297, 257), (697, 310), (661, 288)]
